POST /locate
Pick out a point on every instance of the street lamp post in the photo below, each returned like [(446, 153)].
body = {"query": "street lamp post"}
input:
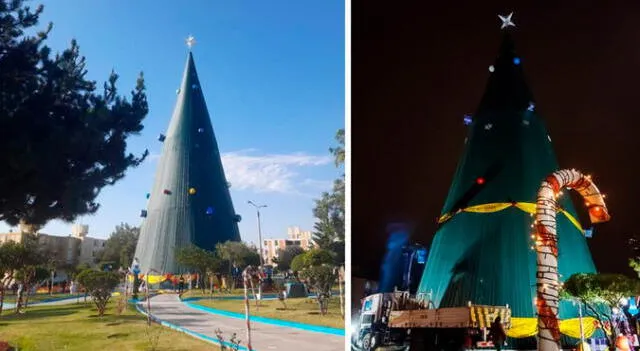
[(258, 207)]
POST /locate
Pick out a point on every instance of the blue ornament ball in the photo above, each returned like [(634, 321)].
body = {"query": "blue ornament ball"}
[(209, 210), (516, 60)]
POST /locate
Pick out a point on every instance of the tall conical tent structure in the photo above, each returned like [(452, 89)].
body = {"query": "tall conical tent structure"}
[(190, 201), (482, 251)]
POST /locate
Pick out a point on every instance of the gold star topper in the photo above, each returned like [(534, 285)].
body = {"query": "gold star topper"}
[(191, 41)]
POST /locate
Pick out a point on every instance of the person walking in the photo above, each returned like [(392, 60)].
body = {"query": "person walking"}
[(181, 285), (498, 336)]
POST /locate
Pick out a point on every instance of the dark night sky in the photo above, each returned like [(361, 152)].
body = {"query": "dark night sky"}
[(417, 69)]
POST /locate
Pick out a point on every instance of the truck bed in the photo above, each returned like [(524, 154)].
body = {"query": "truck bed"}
[(474, 316)]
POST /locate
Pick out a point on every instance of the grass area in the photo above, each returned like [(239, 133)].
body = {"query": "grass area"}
[(77, 327), (302, 310), (37, 297)]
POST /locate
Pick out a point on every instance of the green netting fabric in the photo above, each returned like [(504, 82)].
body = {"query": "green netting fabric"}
[(190, 160), (486, 258)]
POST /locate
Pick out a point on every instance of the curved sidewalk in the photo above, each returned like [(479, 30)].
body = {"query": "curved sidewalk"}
[(264, 337)]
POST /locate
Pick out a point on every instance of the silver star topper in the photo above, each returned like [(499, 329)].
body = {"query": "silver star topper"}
[(506, 21), (191, 41)]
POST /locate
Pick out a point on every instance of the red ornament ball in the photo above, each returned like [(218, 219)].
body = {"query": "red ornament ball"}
[(480, 181)]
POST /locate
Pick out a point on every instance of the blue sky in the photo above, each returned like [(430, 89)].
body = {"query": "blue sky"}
[(273, 76)]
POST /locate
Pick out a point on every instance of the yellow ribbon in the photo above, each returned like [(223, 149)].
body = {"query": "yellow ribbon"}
[(153, 279), (526, 327), (499, 206)]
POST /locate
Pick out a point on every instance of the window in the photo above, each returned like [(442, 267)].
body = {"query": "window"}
[(367, 319)]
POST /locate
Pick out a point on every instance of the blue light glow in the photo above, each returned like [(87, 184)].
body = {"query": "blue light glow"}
[(633, 308), (531, 107), (209, 210), (421, 256), (516, 61), (391, 264), (588, 233), (467, 120)]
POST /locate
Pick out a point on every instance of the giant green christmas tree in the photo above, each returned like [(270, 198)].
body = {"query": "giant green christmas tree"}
[(482, 251), (190, 201)]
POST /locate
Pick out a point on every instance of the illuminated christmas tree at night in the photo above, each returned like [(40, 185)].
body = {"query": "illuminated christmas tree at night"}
[(483, 252)]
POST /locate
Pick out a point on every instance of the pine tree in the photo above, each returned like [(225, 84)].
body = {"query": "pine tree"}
[(62, 141), (329, 210)]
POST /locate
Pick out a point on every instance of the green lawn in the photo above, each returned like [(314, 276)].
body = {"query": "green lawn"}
[(77, 327), (303, 310)]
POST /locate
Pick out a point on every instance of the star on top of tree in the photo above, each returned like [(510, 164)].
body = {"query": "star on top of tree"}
[(191, 41), (506, 21)]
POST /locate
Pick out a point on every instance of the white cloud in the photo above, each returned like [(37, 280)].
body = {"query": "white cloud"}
[(248, 170), (270, 173), (153, 156)]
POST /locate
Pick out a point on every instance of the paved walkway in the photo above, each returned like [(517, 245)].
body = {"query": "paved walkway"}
[(65, 301), (264, 337)]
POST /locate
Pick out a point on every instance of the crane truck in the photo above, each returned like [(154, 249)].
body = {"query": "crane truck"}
[(398, 321)]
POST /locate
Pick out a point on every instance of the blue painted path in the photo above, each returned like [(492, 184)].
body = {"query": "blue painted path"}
[(173, 313)]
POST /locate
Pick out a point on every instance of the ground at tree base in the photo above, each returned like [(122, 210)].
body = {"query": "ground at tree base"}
[(76, 327)]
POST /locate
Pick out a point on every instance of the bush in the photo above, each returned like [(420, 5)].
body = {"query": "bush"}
[(100, 285), (312, 258)]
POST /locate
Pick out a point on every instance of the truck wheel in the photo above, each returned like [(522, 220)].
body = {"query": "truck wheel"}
[(368, 342)]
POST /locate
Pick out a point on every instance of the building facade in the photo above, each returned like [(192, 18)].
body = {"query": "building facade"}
[(295, 237), (74, 249)]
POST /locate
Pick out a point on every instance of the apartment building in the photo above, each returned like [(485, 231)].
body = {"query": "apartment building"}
[(73, 249), (295, 237)]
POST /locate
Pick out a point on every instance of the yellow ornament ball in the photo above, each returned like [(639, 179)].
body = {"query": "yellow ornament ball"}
[(192, 191)]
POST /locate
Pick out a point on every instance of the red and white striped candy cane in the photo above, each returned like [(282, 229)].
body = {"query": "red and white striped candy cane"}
[(246, 278), (547, 246)]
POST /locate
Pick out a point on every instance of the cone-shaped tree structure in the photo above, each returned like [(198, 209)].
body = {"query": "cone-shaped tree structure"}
[(483, 254), (190, 201)]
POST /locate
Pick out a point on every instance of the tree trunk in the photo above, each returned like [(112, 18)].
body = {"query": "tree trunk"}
[(26, 298), (340, 271), (1, 297), (320, 304), (18, 301)]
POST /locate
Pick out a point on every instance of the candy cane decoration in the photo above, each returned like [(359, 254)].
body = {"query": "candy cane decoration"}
[(547, 246), (248, 275)]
